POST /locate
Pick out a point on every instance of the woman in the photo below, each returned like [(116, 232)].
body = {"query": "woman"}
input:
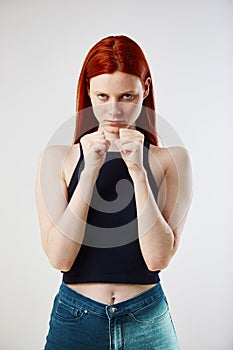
[(112, 208)]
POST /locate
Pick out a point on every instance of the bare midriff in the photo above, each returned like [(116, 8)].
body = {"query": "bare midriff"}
[(110, 293)]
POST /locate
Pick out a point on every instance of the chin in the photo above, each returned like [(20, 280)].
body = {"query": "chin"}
[(113, 129)]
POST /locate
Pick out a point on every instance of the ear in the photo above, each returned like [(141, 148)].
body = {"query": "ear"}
[(147, 87)]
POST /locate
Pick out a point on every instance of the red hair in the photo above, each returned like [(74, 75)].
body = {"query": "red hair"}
[(111, 54)]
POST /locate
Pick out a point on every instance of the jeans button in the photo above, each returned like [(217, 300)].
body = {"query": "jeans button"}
[(112, 310)]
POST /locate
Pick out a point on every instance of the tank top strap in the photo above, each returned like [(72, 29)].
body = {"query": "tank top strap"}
[(76, 173), (146, 164)]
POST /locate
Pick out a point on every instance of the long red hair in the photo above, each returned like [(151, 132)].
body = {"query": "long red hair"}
[(111, 54)]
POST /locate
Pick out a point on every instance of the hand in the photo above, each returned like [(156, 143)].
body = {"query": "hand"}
[(130, 145), (95, 146)]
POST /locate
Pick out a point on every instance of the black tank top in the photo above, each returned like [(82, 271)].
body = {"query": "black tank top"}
[(110, 252)]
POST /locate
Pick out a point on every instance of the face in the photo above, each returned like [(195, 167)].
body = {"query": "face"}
[(117, 100)]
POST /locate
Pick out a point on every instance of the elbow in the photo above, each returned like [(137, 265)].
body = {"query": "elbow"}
[(63, 265), (157, 267), (158, 264)]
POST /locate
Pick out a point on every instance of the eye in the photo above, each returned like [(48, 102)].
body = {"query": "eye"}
[(128, 97), (102, 97)]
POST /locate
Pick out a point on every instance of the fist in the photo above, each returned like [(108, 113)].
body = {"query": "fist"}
[(95, 146), (130, 144)]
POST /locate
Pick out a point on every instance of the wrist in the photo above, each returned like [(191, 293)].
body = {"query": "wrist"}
[(138, 174), (90, 173)]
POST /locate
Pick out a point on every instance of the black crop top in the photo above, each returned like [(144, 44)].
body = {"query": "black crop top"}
[(110, 251)]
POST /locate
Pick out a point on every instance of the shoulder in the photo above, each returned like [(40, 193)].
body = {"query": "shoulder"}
[(175, 158), (53, 153), (60, 158), (56, 150), (168, 155)]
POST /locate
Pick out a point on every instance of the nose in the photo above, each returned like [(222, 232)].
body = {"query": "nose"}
[(114, 109)]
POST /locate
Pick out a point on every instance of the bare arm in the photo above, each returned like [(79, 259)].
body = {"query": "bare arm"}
[(161, 224), (62, 223)]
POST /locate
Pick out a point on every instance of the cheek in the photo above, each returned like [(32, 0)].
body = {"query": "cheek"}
[(99, 111), (133, 111)]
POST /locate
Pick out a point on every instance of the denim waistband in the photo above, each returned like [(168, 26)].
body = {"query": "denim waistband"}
[(130, 305)]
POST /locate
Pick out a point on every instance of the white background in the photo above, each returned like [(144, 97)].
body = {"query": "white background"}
[(189, 47)]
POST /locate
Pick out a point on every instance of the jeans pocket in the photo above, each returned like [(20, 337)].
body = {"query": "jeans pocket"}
[(66, 312), (153, 312)]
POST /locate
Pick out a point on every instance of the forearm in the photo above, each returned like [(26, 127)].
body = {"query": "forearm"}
[(155, 236), (66, 235)]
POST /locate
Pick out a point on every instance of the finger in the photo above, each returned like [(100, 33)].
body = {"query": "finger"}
[(135, 142), (94, 138), (99, 139), (108, 144), (129, 146), (100, 148), (132, 138), (99, 133), (123, 132)]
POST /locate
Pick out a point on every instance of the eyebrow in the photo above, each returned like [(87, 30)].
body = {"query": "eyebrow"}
[(121, 93)]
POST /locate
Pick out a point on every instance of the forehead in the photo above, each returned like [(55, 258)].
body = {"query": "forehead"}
[(115, 82)]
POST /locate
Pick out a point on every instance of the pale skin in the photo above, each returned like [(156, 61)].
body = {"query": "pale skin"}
[(116, 99)]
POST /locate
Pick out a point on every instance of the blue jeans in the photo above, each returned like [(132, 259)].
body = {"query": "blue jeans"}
[(80, 323)]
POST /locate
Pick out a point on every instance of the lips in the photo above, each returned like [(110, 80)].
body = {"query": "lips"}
[(114, 122)]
